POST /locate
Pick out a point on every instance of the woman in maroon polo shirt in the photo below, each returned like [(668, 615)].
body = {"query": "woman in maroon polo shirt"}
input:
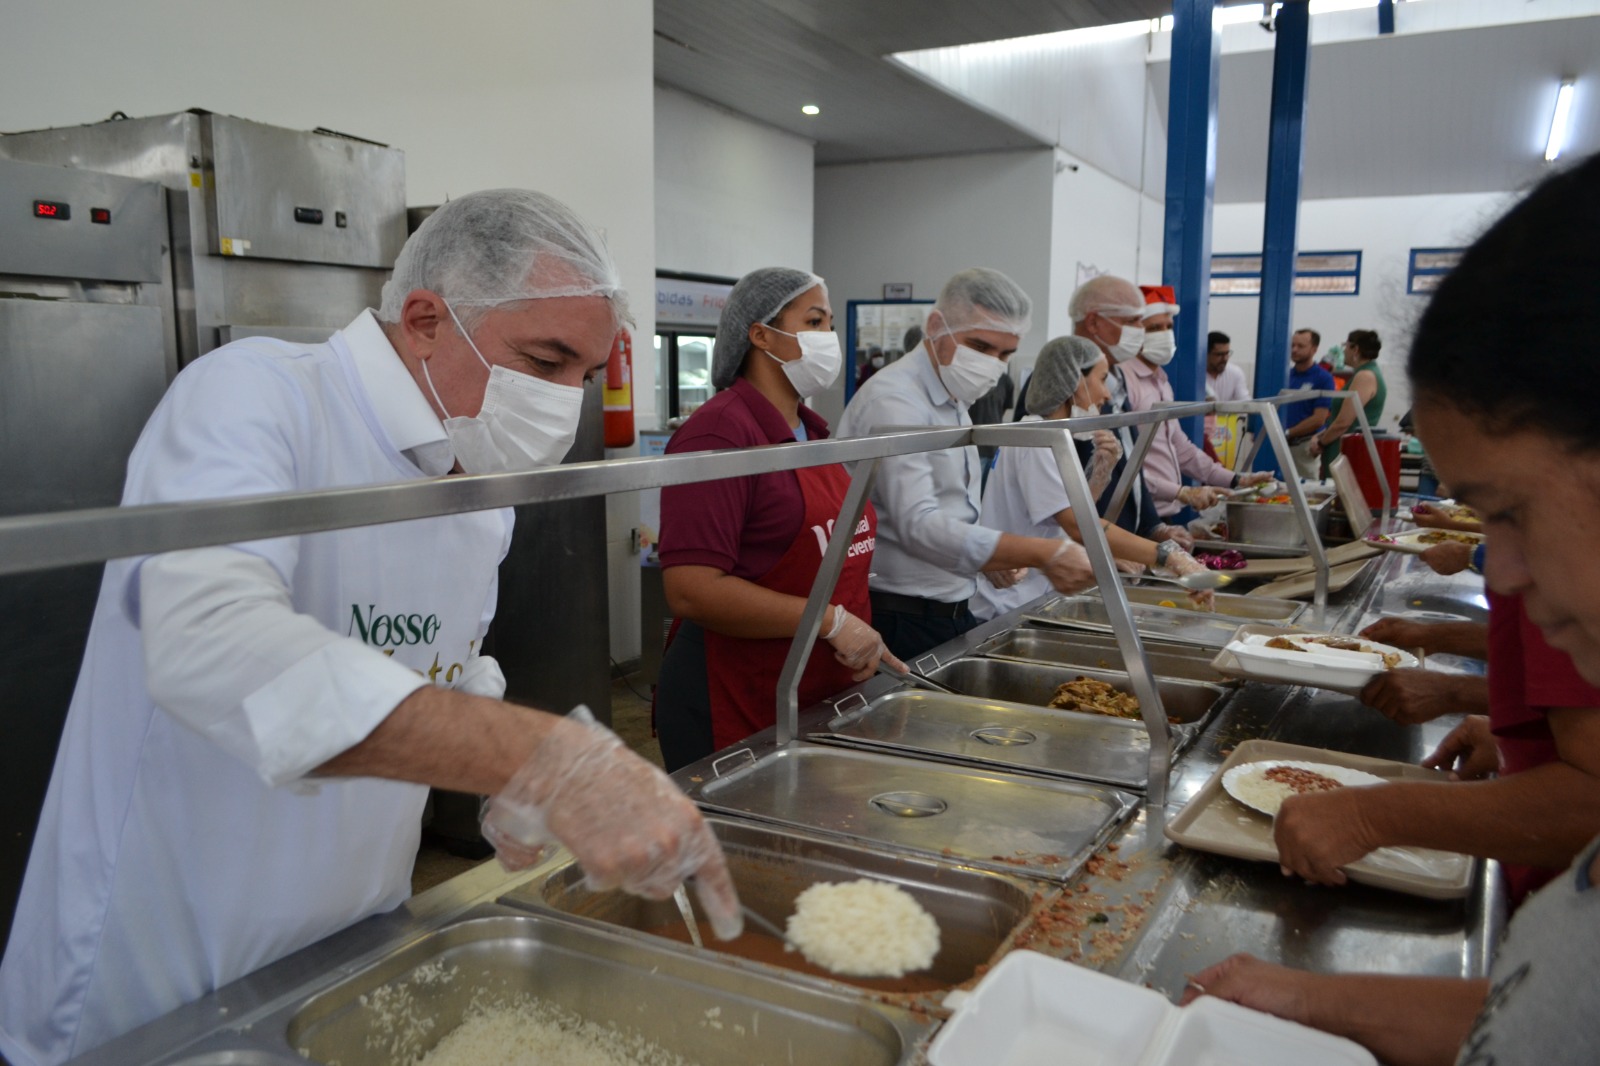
[(740, 554)]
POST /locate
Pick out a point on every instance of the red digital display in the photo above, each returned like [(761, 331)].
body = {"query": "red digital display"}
[(101, 215), (52, 209)]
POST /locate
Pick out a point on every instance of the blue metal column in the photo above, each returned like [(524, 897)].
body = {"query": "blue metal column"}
[(1385, 16), (1285, 160), (1191, 181)]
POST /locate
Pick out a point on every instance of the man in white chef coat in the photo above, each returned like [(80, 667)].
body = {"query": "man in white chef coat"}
[(244, 763)]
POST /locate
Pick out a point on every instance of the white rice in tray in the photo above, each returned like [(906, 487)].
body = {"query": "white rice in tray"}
[(533, 1032), (863, 928)]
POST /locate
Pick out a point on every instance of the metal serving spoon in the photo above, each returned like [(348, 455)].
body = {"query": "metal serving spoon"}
[(681, 898), (1200, 582)]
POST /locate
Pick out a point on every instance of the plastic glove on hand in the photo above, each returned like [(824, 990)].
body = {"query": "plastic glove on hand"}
[(855, 644), (1200, 497), (1004, 579), (1182, 564), (1069, 570), (1184, 538), (623, 819)]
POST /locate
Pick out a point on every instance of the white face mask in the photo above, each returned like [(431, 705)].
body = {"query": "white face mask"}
[(819, 362), (971, 374), (525, 422), (1129, 343), (1160, 346), (877, 362), (1084, 412)]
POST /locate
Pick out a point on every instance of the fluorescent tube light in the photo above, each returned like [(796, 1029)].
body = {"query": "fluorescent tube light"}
[(1558, 122), (810, 109)]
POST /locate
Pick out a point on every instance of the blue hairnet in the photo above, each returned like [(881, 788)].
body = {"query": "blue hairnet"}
[(757, 297), (1060, 366)]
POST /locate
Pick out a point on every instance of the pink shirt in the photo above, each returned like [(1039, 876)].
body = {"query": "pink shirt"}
[(1172, 454)]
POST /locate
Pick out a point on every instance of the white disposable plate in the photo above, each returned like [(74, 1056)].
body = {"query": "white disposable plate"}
[(1233, 781), (1413, 541), (1322, 666), (1033, 1009)]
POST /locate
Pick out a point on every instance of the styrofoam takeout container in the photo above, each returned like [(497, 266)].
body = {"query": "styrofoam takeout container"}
[(1247, 656), (1032, 1009)]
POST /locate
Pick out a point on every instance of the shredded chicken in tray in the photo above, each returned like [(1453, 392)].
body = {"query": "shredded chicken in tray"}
[(1095, 697)]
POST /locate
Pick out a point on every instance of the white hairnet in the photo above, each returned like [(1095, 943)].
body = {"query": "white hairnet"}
[(1107, 294), (756, 297), (503, 246), (1060, 366), (980, 298)]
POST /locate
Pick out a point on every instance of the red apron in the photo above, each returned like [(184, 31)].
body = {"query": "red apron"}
[(742, 673)]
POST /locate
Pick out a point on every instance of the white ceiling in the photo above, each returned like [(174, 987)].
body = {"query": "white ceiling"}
[(1459, 111), (765, 58)]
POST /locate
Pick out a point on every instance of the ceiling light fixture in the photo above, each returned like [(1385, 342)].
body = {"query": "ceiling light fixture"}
[(1558, 121), (810, 109)]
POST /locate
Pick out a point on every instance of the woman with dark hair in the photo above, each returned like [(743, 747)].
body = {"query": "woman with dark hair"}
[(1523, 450), (1361, 350)]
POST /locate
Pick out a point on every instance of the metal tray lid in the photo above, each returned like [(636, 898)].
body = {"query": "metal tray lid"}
[(1114, 751), (996, 821), (1169, 624)]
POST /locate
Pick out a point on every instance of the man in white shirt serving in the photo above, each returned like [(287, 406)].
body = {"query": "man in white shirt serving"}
[(244, 763), (930, 545)]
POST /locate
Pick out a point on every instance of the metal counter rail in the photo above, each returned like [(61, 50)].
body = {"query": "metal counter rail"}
[(36, 542), (1295, 396)]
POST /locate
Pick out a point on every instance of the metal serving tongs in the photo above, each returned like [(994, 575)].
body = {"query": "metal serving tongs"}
[(912, 677)]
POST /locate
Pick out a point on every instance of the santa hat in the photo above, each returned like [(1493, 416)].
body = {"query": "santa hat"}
[(1159, 300)]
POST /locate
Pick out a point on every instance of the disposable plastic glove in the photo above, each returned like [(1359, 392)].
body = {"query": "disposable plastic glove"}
[(1260, 477), (624, 820), (482, 676), (1107, 450), (1068, 570), (1163, 532), (858, 646), (1004, 579), (1200, 497), (1182, 564)]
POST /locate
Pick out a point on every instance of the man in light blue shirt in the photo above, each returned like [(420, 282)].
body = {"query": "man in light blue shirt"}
[(930, 545)]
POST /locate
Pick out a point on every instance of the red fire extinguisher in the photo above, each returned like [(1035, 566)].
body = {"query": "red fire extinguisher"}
[(617, 396)]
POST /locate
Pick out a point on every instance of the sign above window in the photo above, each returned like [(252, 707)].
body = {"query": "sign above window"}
[(1315, 274)]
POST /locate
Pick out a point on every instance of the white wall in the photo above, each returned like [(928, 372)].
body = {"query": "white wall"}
[(480, 94), (921, 221), (1384, 229), (1101, 223), (731, 194)]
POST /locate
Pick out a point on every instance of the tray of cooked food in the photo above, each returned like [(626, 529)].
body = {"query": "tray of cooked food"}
[(1032, 718), (1232, 814), (1417, 541), (1334, 661)]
